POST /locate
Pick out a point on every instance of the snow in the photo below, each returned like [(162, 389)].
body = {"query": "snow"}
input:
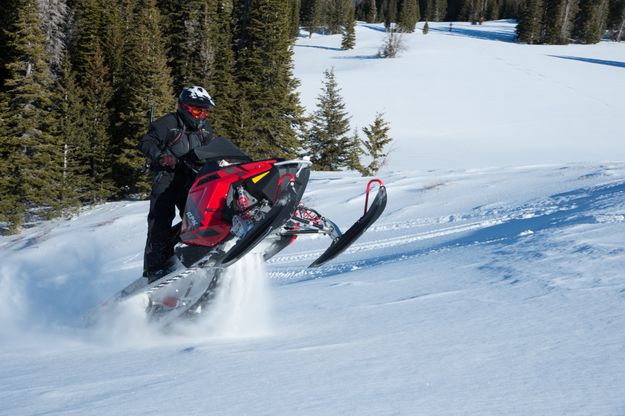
[(491, 285)]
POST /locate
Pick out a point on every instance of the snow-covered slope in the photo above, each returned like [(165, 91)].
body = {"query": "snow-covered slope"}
[(491, 290)]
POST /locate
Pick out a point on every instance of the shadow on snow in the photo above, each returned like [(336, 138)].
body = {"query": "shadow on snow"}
[(498, 35), (327, 48), (591, 60)]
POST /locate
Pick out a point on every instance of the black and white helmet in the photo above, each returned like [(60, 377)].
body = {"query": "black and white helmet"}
[(194, 105)]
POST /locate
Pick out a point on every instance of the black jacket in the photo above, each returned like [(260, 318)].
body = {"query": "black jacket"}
[(169, 135)]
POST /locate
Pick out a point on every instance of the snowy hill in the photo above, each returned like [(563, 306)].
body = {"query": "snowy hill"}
[(492, 284)]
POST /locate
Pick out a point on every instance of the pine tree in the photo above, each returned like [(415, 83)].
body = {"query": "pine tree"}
[(53, 16), (35, 155), (147, 83), (591, 21), (559, 17), (408, 16), (426, 28), (354, 153), (268, 101), (440, 10), (493, 9), (223, 84), (435, 10), (389, 8), (475, 10), (327, 141), (530, 27), (112, 37), (191, 43), (312, 15), (74, 185), (337, 15), (296, 5), (616, 20), (7, 20), (11, 204), (349, 33), (367, 10), (96, 119), (377, 140), (86, 34)]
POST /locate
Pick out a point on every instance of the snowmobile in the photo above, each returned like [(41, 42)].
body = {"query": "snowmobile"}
[(234, 204)]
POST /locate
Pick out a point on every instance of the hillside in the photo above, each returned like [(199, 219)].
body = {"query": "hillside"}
[(491, 285)]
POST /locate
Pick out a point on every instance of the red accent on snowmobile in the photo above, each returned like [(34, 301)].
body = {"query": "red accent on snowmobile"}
[(379, 182), (170, 301), (203, 223)]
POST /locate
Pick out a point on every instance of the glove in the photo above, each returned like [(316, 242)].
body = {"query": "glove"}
[(167, 160)]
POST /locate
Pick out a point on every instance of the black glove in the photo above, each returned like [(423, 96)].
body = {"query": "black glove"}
[(167, 160)]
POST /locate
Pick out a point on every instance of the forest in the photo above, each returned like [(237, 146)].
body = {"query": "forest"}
[(79, 78)]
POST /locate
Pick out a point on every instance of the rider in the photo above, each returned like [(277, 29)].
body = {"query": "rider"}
[(169, 138)]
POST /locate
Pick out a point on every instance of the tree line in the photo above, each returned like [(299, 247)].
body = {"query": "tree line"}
[(77, 78), (540, 21), (565, 21)]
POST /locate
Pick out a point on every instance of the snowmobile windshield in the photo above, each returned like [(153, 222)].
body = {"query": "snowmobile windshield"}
[(217, 149)]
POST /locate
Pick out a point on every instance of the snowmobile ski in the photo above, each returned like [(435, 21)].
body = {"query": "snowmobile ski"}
[(343, 241)]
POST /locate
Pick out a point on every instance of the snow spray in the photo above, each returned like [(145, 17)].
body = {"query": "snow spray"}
[(241, 307)]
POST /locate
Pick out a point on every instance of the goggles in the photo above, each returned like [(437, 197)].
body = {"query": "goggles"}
[(196, 112)]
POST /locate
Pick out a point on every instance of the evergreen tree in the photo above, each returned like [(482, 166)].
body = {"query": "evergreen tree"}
[(426, 28), (349, 33), (296, 5), (35, 155), (112, 38), (74, 143), (493, 9), (377, 140), (408, 16), (367, 10), (337, 15), (475, 10), (96, 120), (354, 153), (327, 141), (311, 15), (559, 19), (11, 203), (147, 83), (268, 101), (616, 20), (434, 10), (530, 27), (389, 8), (511, 9), (223, 85), (53, 16), (591, 21), (86, 34), (7, 20)]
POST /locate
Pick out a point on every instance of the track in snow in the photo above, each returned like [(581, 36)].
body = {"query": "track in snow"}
[(571, 208)]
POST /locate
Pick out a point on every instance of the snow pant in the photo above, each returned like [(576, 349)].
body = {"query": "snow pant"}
[(169, 191)]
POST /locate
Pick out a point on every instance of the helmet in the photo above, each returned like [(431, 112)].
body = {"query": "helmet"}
[(194, 104)]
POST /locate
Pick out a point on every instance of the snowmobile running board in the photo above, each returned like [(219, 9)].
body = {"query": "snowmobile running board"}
[(372, 213)]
